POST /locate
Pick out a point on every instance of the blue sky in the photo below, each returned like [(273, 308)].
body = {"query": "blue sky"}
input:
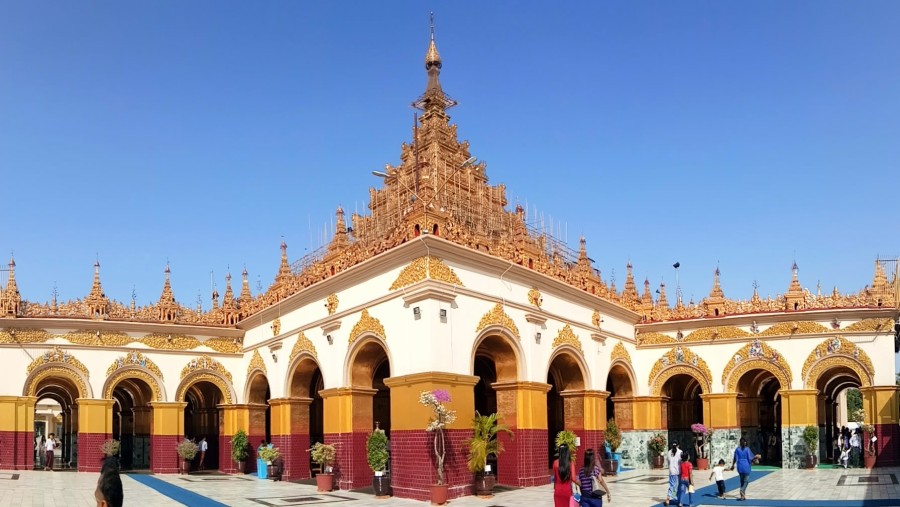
[(743, 134)]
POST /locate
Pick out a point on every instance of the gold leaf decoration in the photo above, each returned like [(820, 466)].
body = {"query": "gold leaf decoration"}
[(276, 327), (303, 344), (206, 376), (497, 317), (619, 353), (426, 267), (57, 355), (224, 345), (367, 324), (871, 325), (654, 339), (32, 383), (331, 303), (134, 358), (567, 336), (846, 351), (256, 363), (679, 360), (13, 335), (112, 381), (534, 297), (757, 355), (595, 318), (204, 362), (170, 341), (716, 333), (98, 338), (789, 328)]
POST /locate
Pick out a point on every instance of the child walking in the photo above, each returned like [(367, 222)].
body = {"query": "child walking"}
[(718, 472)]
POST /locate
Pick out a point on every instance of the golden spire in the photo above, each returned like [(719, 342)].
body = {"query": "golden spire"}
[(646, 308), (715, 303), (661, 311), (881, 293), (246, 296), (168, 308), (630, 296), (434, 99), (97, 302), (10, 300), (284, 269), (716, 291), (794, 299), (229, 308), (340, 240), (432, 57)]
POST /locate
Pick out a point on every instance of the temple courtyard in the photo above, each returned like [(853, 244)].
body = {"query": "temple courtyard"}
[(788, 488)]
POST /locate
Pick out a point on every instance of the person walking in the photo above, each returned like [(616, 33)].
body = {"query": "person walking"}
[(49, 447), (743, 457), (589, 496), (718, 472), (203, 448), (855, 445), (673, 462), (563, 474), (686, 481)]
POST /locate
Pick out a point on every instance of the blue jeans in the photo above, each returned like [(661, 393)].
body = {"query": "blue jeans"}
[(683, 490), (745, 479), (591, 501)]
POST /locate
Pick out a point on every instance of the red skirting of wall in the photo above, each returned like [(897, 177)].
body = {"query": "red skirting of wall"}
[(163, 457), (888, 445), (524, 460), (351, 468), (90, 459), (413, 469), (293, 450), (16, 450), (226, 464)]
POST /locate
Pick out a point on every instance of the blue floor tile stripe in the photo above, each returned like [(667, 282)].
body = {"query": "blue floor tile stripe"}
[(176, 493), (707, 496)]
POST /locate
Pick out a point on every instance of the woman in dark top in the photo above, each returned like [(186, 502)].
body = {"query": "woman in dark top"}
[(563, 474), (591, 469)]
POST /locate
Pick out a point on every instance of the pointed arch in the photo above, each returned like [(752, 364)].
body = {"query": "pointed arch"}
[(363, 358)]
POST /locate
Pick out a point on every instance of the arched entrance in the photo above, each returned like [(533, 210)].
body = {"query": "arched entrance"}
[(260, 413), (131, 421), (620, 386), (832, 385), (57, 389), (564, 374), (201, 419), (759, 413), (369, 367), (306, 382), (682, 406), (495, 362)]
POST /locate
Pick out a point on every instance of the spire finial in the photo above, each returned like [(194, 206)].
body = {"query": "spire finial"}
[(432, 26)]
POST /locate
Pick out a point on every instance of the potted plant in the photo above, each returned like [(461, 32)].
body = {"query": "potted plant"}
[(240, 446), (271, 456), (110, 450), (377, 455), (657, 446), (870, 439), (482, 445), (323, 455), (187, 451), (614, 439), (568, 439), (441, 417), (811, 440), (701, 439)]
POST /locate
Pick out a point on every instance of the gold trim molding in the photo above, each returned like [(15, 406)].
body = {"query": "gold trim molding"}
[(135, 359), (619, 352), (204, 362), (847, 353), (427, 266), (367, 324), (303, 344), (679, 360), (716, 333), (753, 356), (331, 303), (789, 328), (535, 298), (256, 363), (567, 337), (132, 372), (870, 325), (63, 370), (205, 376), (57, 355), (497, 317)]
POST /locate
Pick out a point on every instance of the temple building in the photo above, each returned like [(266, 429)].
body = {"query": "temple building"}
[(442, 284)]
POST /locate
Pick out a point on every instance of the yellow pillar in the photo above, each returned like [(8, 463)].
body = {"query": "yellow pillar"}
[(880, 404), (94, 427), (649, 412), (799, 407), (720, 410), (623, 412), (290, 433), (523, 404), (17, 431), (166, 430)]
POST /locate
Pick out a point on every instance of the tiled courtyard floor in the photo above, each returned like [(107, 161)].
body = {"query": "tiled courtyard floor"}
[(787, 488)]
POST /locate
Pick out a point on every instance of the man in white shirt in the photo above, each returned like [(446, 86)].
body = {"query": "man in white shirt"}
[(203, 447), (49, 447)]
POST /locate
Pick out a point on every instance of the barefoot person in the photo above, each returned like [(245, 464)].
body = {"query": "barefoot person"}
[(203, 448), (743, 457), (50, 446), (673, 462)]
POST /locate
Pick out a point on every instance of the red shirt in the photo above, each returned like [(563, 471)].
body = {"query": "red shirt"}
[(686, 468)]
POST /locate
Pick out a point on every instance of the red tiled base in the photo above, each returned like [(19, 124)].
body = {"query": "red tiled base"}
[(225, 463), (16, 450), (524, 460), (888, 445), (412, 464), (163, 458), (293, 451), (351, 468), (90, 459)]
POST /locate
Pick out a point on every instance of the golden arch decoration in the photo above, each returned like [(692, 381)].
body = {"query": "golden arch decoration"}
[(716, 333), (367, 325), (426, 267), (303, 344), (497, 317), (132, 372), (677, 361), (256, 363), (619, 353), (567, 336), (838, 346), (830, 362), (41, 373), (205, 376), (757, 355), (134, 359)]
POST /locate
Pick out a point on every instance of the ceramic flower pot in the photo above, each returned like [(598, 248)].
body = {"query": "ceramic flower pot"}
[(382, 485), (869, 461), (484, 484), (439, 494), (658, 461), (702, 464), (324, 482)]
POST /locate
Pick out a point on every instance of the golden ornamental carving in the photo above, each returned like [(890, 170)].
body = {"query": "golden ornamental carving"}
[(567, 337), (98, 338), (204, 362), (534, 298), (57, 355), (367, 324), (756, 355), (303, 344), (716, 333), (276, 327), (136, 359), (12, 335), (66, 372), (679, 360), (426, 267), (848, 352), (170, 341), (619, 352), (205, 376), (871, 325), (224, 345), (596, 320), (256, 363), (497, 317), (789, 328), (132, 373), (655, 339), (331, 303), (827, 363)]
